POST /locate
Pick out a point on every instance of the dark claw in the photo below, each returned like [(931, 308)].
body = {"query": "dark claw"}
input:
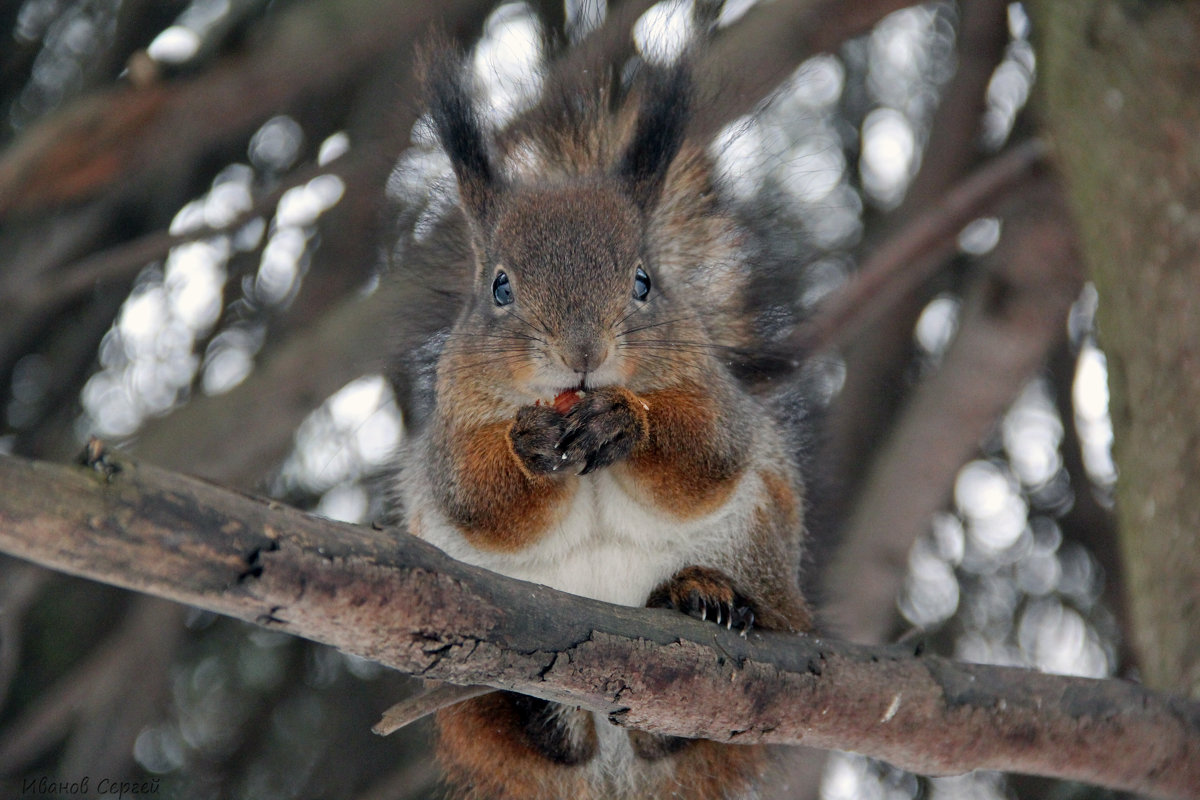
[(744, 620)]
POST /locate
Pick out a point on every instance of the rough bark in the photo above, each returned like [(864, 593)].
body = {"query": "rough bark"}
[(396, 600), (1122, 100)]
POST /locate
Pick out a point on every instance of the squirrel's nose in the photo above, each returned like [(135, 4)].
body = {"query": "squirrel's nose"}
[(585, 355)]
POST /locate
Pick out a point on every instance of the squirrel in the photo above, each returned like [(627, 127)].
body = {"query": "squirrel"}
[(584, 407)]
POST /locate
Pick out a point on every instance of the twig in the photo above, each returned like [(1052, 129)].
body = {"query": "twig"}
[(124, 140), (424, 703)]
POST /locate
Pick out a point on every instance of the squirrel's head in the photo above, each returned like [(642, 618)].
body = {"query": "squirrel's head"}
[(564, 280)]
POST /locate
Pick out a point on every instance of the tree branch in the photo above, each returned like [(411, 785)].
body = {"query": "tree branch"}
[(122, 262), (399, 601), (127, 137), (880, 353)]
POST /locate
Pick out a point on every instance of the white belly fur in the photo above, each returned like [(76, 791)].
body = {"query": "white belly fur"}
[(608, 546)]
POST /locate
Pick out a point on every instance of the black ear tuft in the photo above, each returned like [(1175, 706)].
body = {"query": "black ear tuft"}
[(659, 131), (456, 120)]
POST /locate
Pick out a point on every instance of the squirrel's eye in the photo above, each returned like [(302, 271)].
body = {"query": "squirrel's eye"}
[(502, 291), (641, 284)]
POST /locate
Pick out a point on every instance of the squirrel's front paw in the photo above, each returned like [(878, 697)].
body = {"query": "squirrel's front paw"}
[(707, 594), (601, 428), (534, 436)]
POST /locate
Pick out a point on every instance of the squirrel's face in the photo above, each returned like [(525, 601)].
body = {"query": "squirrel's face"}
[(563, 288), (563, 279)]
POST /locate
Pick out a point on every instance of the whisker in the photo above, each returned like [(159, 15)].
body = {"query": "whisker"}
[(524, 336), (476, 358), (484, 350), (527, 323), (509, 335), (675, 353), (657, 359), (479, 356), (662, 350), (639, 308), (484, 347), (658, 324), (678, 344)]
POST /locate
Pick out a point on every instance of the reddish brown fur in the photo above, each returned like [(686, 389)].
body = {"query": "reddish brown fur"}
[(784, 503), (709, 771), (498, 504), (685, 466), (484, 754), (713, 585), (782, 606)]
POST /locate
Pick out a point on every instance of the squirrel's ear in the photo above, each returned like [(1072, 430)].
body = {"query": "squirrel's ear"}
[(456, 121), (658, 133)]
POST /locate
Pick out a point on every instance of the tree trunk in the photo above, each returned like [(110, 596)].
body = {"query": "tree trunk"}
[(1122, 100)]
